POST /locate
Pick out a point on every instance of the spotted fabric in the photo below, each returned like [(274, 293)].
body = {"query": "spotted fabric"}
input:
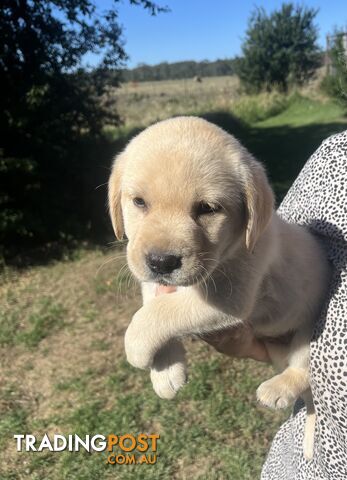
[(318, 199)]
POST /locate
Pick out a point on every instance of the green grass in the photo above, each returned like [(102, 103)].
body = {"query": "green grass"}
[(46, 318), (12, 421), (209, 419), (256, 108), (301, 111), (77, 381)]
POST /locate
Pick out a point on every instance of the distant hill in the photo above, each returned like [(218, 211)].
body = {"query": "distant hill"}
[(177, 70)]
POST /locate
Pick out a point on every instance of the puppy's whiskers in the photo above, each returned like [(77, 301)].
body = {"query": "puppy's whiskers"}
[(216, 269), (119, 279), (106, 262), (209, 277), (202, 278), (116, 244)]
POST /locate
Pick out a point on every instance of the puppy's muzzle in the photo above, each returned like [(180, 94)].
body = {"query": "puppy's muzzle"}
[(163, 263)]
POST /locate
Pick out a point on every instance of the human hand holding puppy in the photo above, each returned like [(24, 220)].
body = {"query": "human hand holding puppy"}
[(239, 342)]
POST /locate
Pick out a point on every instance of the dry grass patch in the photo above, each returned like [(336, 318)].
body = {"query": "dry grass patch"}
[(142, 103)]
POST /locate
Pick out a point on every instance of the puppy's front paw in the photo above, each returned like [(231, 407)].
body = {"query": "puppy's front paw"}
[(169, 370), (167, 382), (138, 351), (138, 358), (275, 393), (281, 390)]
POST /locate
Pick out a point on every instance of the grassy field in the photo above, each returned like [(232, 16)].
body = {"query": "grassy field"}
[(140, 104), (64, 371), (62, 324)]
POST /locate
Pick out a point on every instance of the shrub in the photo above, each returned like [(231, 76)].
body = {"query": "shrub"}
[(280, 49), (335, 84), (254, 108)]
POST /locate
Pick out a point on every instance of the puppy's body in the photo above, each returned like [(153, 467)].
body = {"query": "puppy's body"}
[(198, 212)]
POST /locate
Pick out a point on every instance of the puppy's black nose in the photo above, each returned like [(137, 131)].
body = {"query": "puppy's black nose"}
[(163, 263)]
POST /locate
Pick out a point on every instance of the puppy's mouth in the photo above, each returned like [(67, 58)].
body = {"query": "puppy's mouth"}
[(161, 289), (164, 282), (173, 280), (167, 281)]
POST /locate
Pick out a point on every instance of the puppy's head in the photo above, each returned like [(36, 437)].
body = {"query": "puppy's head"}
[(186, 194)]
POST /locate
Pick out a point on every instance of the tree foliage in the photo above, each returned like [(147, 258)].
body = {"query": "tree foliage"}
[(50, 110), (280, 49), (335, 83)]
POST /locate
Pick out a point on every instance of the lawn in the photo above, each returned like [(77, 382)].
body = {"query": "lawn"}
[(62, 325), (64, 372)]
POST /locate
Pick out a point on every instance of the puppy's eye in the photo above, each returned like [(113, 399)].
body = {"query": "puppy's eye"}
[(205, 208), (139, 202)]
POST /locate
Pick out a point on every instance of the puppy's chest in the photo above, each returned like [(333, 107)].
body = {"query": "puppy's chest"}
[(271, 315), (265, 311), (226, 297), (269, 322)]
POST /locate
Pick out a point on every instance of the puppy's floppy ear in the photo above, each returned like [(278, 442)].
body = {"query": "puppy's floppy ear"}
[(259, 201), (114, 196)]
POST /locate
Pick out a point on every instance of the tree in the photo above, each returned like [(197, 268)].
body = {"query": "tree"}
[(335, 83), (280, 49), (49, 107)]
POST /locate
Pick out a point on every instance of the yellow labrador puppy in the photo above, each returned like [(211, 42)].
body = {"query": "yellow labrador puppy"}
[(199, 214)]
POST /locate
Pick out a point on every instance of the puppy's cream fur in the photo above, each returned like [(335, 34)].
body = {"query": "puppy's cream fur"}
[(240, 262)]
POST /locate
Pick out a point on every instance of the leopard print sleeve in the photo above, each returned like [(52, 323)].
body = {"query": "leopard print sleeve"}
[(318, 199)]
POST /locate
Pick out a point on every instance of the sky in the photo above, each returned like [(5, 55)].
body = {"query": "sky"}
[(203, 29)]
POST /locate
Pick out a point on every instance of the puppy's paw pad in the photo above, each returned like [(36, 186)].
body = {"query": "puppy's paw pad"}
[(275, 393), (168, 381)]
